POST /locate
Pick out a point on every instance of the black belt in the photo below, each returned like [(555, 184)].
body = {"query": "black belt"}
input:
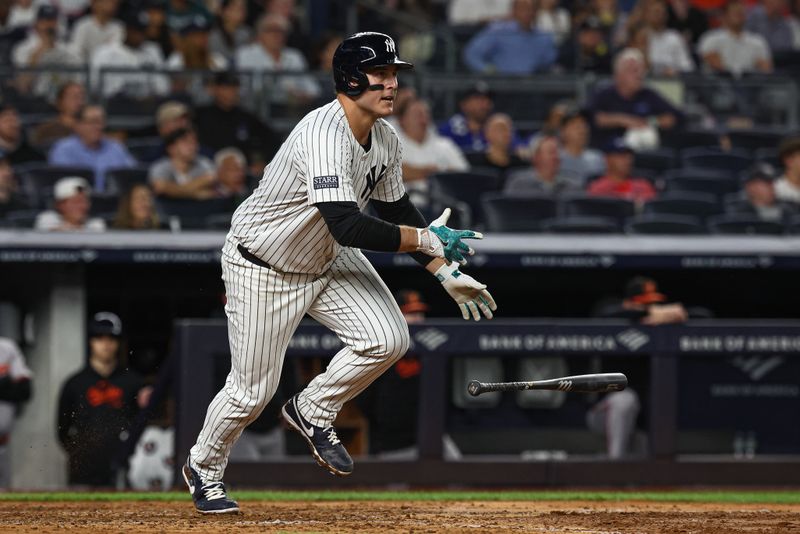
[(252, 258)]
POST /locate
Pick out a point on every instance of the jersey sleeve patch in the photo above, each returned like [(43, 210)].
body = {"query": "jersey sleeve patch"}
[(326, 182)]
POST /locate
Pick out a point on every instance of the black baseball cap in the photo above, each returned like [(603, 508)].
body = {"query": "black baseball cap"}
[(198, 23), (760, 171), (481, 88), (105, 323), (46, 12), (617, 146), (410, 301), (177, 135), (643, 290), (227, 77), (136, 20)]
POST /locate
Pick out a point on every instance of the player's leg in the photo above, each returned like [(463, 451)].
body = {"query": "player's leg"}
[(360, 309), (263, 309)]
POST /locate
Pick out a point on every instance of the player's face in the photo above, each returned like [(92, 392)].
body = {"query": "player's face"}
[(380, 103)]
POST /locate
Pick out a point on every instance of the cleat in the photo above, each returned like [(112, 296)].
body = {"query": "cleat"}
[(209, 498), (325, 446)]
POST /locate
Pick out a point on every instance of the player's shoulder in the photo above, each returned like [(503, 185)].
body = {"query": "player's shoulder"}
[(8, 346), (387, 132), (323, 120)]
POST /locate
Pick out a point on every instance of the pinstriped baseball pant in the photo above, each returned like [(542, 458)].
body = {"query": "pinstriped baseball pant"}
[(264, 308)]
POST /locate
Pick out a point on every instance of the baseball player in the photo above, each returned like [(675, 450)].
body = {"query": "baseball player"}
[(293, 249), (15, 389)]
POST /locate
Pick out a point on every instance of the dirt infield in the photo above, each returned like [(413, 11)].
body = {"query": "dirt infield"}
[(447, 516)]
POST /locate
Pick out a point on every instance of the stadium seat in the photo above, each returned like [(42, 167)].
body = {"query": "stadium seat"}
[(192, 214), (701, 181), (218, 221), (733, 161), (793, 226), (104, 204), (693, 138), (656, 223), (582, 225), (756, 139), (21, 218), (700, 205), (517, 213), (144, 148), (119, 181), (744, 224), (617, 209), (768, 155), (37, 182), (449, 188), (656, 161)]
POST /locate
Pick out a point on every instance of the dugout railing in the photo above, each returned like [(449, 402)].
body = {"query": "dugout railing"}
[(199, 344)]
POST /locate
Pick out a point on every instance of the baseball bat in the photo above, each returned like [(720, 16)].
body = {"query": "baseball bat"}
[(594, 383)]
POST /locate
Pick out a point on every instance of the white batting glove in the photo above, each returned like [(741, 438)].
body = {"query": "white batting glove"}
[(439, 241), (470, 295)]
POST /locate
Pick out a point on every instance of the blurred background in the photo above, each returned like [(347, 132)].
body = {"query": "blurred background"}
[(635, 166)]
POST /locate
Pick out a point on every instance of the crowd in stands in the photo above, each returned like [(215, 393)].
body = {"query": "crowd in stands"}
[(64, 165)]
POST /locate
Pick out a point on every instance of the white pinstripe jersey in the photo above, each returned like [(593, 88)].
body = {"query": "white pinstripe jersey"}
[(320, 161)]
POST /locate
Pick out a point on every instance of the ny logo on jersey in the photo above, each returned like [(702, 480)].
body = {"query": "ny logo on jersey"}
[(372, 178), (390, 46)]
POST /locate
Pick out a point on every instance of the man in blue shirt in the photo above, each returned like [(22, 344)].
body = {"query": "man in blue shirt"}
[(89, 147), (466, 128), (512, 46), (627, 104)]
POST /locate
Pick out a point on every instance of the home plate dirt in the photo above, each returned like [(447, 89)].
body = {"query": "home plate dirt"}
[(441, 516)]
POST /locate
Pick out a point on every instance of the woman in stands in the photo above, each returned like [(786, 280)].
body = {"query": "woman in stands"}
[(137, 210)]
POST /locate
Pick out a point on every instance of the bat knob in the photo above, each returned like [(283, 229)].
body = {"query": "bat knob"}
[(474, 388)]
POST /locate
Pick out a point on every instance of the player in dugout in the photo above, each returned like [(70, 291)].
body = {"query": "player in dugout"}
[(293, 249)]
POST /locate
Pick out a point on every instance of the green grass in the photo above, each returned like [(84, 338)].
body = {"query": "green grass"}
[(742, 497)]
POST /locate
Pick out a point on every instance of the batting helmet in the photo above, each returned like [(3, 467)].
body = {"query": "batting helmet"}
[(358, 53)]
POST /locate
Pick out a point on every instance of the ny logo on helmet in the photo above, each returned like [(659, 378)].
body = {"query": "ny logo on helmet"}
[(390, 46)]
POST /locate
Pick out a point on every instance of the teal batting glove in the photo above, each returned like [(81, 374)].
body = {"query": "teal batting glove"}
[(452, 246), (470, 295)]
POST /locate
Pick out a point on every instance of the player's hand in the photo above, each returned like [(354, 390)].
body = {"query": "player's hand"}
[(442, 242), (470, 295)]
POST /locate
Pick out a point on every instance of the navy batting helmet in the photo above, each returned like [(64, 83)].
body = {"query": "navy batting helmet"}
[(361, 52)]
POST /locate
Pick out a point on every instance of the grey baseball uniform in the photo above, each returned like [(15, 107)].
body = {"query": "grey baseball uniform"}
[(12, 369), (304, 270)]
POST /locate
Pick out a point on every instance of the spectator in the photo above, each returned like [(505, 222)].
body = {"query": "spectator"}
[(98, 404), (618, 182), (183, 173), (499, 134), (90, 147), (12, 139), (224, 123), (134, 53), (72, 204), (465, 12), (589, 50), (157, 30), (231, 175), (787, 188), (270, 53), (545, 175), (424, 151), (496, 49), (667, 52), (192, 50), (286, 9), (230, 31), (553, 20), (71, 97), (10, 199), (733, 49), (770, 22), (96, 29), (181, 13), (466, 128), (137, 210), (760, 199), (404, 94), (627, 106), (686, 19), (42, 48), (794, 22), (576, 157), (643, 303), (15, 389), (323, 50)]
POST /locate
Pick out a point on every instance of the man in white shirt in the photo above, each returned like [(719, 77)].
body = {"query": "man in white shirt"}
[(787, 187), (667, 52), (132, 53), (477, 11), (270, 53), (42, 48), (732, 49), (424, 151), (97, 29), (72, 204)]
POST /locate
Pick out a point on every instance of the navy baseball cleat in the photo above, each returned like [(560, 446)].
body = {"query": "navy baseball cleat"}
[(325, 446), (209, 498)]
